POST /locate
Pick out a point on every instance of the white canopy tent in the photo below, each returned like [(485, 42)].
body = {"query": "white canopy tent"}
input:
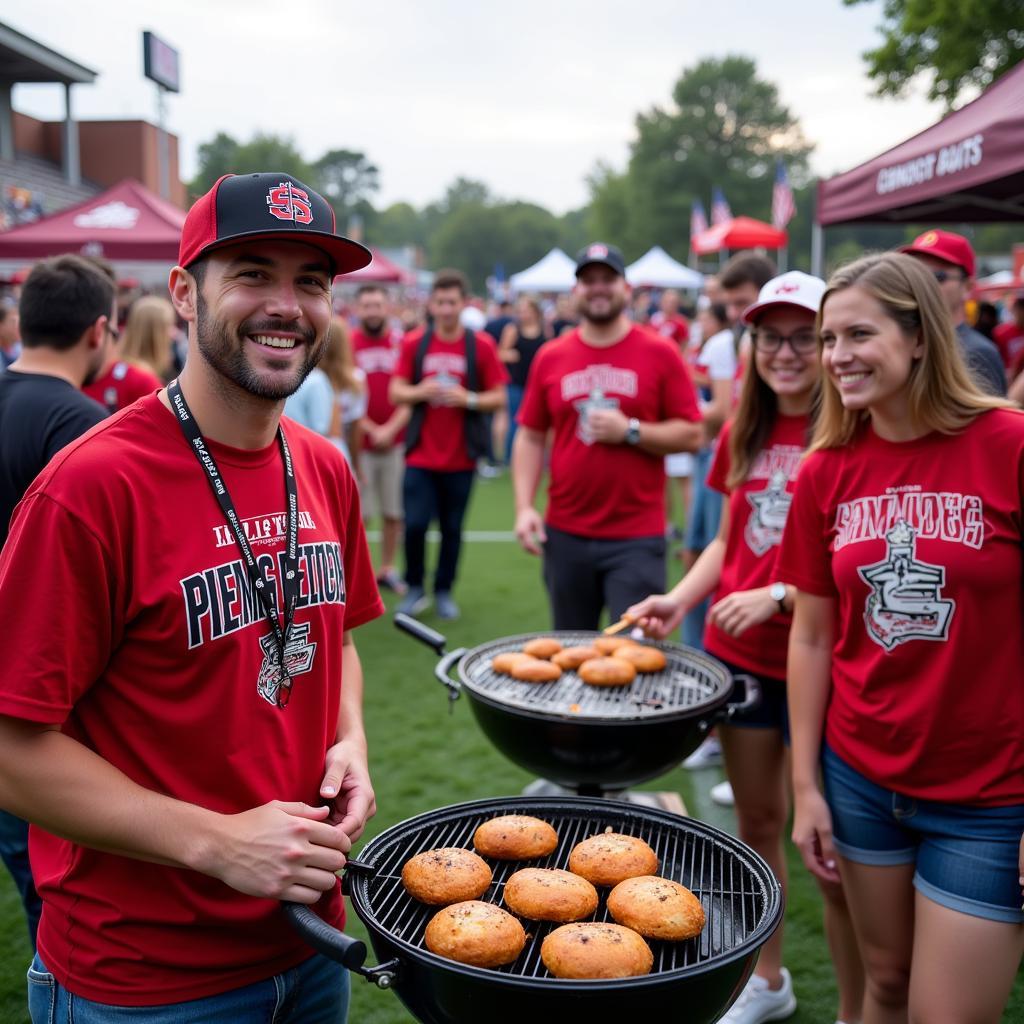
[(555, 272), (656, 269)]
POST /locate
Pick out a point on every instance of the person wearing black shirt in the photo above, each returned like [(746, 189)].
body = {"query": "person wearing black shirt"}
[(67, 315)]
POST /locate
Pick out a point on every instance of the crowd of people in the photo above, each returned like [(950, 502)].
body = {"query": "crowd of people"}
[(183, 727)]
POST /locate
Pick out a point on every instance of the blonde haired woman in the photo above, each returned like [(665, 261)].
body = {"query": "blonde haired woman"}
[(904, 543), (348, 383), (142, 360)]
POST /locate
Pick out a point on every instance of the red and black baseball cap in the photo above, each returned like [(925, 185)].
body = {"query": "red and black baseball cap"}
[(268, 205), (944, 245)]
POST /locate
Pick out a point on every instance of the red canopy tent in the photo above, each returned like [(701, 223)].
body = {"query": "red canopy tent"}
[(739, 233), (127, 222), (968, 167), (380, 270)]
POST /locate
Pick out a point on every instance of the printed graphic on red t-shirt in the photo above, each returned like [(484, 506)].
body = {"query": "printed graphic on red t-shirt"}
[(377, 357), (770, 505)]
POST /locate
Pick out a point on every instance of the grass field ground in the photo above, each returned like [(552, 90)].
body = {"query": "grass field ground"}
[(422, 757)]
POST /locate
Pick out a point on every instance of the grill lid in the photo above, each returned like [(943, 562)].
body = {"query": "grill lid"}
[(691, 683), (741, 898)]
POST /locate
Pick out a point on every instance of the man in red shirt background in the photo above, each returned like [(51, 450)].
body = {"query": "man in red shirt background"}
[(1009, 337), (445, 436), (376, 345), (618, 399)]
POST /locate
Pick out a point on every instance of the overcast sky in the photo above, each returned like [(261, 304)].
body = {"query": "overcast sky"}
[(525, 96)]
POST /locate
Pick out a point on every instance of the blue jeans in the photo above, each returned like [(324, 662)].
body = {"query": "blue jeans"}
[(965, 857), (315, 992), (432, 495), (701, 530), (14, 851), (515, 399)]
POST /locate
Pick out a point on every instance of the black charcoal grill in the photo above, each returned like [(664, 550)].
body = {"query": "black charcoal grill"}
[(589, 739), (693, 981)]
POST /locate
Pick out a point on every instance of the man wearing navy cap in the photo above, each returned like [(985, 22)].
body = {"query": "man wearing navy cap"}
[(950, 257), (181, 716), (617, 399)]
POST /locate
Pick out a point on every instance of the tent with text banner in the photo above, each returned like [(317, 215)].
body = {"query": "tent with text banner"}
[(656, 269), (968, 168), (555, 272)]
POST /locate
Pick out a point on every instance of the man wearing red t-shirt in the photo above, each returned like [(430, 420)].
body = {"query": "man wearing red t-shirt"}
[(669, 322), (446, 434), (1009, 337), (617, 399), (376, 348), (180, 718), (120, 384)]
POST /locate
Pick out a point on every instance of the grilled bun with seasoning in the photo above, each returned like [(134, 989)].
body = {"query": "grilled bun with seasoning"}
[(535, 670), (515, 837), (504, 663), (610, 644), (610, 671), (446, 875), (548, 894), (542, 647), (642, 657), (610, 858), (570, 658), (592, 950), (657, 908), (475, 933)]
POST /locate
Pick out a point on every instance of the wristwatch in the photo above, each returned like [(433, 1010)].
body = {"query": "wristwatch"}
[(777, 592), (472, 400), (632, 431)]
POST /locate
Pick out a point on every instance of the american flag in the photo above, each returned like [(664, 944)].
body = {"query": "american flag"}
[(720, 211), (698, 219), (783, 207)]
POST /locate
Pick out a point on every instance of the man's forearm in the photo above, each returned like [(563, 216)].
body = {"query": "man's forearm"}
[(491, 401), (527, 466), (670, 436), (401, 392)]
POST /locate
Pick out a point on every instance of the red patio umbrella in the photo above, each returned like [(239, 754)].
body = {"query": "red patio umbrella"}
[(739, 233)]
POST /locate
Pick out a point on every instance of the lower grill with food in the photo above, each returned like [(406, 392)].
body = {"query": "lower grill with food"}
[(694, 980)]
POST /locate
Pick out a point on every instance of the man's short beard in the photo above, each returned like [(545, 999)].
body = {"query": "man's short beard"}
[(227, 354), (615, 309), (374, 331)]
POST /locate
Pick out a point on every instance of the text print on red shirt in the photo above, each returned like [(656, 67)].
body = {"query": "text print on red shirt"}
[(769, 507), (905, 601)]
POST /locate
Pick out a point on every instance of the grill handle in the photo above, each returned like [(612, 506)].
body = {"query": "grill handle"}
[(337, 946), (442, 672), (751, 697), (424, 634)]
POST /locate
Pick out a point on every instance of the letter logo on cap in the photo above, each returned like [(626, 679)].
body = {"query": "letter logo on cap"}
[(286, 202), (928, 239), (597, 251), (786, 287)]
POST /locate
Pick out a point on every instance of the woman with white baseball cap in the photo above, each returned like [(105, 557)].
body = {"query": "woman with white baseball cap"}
[(755, 467)]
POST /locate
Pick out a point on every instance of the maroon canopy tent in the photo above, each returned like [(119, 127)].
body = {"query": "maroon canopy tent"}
[(739, 233), (968, 167), (127, 222), (380, 270)]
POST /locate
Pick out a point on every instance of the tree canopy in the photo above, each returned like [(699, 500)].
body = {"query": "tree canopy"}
[(962, 45)]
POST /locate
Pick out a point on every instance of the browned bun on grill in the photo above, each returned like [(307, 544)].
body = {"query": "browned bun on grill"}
[(541, 647), (548, 894), (503, 663), (446, 875), (642, 657), (535, 670), (570, 658), (607, 672), (610, 644), (515, 837), (657, 908), (475, 933), (592, 950), (610, 858)]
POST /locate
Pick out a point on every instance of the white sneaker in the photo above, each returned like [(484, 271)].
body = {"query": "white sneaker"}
[(707, 755), (722, 794), (757, 1002)]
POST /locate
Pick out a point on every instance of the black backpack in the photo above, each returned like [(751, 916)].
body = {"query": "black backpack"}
[(475, 423)]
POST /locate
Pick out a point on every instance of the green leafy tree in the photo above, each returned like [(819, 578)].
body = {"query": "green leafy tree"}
[(725, 127), (217, 157), (347, 178), (223, 155), (962, 44), (398, 224)]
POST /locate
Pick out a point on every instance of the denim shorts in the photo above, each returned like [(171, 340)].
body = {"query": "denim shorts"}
[(314, 992), (965, 857), (771, 712)]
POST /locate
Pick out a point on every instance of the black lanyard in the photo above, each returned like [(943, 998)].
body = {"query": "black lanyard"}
[(265, 589)]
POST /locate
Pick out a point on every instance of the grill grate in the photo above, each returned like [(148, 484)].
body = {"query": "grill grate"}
[(691, 681), (741, 899)]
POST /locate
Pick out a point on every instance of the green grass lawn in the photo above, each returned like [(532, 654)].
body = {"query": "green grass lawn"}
[(422, 757)]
